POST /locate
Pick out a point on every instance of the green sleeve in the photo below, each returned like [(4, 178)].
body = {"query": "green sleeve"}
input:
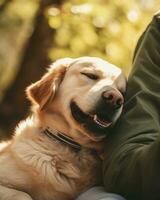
[(131, 166)]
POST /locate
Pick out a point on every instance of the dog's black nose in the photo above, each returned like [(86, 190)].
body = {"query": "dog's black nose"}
[(113, 98)]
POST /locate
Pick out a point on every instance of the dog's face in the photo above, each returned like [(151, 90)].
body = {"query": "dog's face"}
[(86, 92)]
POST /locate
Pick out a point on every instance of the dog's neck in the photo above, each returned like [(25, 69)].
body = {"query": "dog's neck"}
[(61, 137), (32, 128), (51, 120)]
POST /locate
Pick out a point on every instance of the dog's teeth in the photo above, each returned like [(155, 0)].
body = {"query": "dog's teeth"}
[(95, 117), (100, 122)]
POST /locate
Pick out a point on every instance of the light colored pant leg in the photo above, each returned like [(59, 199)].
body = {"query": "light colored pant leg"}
[(99, 193)]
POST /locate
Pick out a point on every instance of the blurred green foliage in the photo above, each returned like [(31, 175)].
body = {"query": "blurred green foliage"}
[(105, 28), (108, 29)]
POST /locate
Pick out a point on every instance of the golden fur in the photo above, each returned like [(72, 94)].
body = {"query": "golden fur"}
[(35, 167)]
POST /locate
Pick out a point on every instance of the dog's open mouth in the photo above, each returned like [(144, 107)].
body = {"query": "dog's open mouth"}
[(101, 122), (92, 121)]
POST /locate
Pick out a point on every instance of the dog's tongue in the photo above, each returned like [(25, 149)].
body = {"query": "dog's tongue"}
[(102, 122)]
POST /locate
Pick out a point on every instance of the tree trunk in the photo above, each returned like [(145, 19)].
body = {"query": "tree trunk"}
[(14, 106)]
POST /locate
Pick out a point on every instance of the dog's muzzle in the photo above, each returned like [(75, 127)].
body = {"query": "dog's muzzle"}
[(110, 104), (113, 98), (103, 116)]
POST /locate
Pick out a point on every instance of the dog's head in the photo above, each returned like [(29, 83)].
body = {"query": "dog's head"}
[(82, 96)]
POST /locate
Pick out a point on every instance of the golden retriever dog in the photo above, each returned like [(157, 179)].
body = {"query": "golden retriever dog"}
[(55, 153)]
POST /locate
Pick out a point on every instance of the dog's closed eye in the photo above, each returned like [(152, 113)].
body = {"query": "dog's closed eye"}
[(90, 75)]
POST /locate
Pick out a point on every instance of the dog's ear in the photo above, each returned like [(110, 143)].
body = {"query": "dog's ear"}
[(43, 91)]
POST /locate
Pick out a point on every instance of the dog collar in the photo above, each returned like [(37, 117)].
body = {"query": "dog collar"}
[(61, 137)]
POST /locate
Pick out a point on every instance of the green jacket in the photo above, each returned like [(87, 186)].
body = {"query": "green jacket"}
[(132, 154)]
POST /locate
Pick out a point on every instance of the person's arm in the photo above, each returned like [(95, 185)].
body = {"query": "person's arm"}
[(132, 155)]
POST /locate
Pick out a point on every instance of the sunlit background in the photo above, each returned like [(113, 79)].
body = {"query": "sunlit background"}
[(34, 33)]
